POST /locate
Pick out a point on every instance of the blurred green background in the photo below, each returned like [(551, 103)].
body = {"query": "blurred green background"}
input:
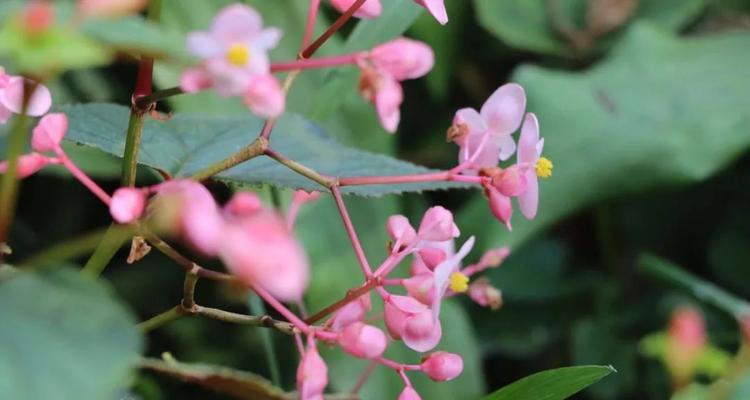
[(645, 110)]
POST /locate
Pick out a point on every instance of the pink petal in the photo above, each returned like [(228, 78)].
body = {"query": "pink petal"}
[(204, 45), (28, 164), (243, 204), (127, 204), (400, 230), (409, 394), (507, 146), (403, 58), (444, 271), (487, 155), (511, 181), (236, 23), (363, 341), (501, 206), (195, 80), (264, 96), (312, 374), (388, 101), (49, 132), (503, 111), (529, 201), (528, 142), (370, 9), (436, 8), (5, 114), (422, 332), (267, 39), (12, 98), (443, 366), (437, 225), (421, 287)]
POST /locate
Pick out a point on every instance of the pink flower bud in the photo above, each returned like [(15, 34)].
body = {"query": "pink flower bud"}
[(264, 96), (511, 181), (195, 80), (38, 16), (127, 204), (363, 341), (500, 206), (432, 256), (400, 230), (409, 394), (687, 337), (397, 310), (493, 258), (437, 224), (49, 132), (422, 331), (421, 287), (442, 366), (403, 58), (260, 250), (351, 313), (28, 164), (109, 8), (312, 374), (418, 267), (243, 204), (484, 294), (12, 93), (370, 9), (384, 91)]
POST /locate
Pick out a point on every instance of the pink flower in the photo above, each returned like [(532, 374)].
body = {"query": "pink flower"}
[(484, 294), (233, 51), (353, 312), (312, 374), (530, 148), (189, 208), (363, 341), (421, 287), (28, 164), (400, 231), (511, 181), (409, 394), (491, 128), (384, 92), (686, 339), (49, 132), (412, 321), (264, 96), (127, 204), (437, 225), (500, 206), (370, 9), (11, 97), (436, 8), (403, 58), (109, 8), (442, 366), (260, 250), (444, 274)]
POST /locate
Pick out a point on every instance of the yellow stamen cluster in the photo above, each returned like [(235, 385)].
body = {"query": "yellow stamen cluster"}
[(459, 282), (543, 167), (238, 54)]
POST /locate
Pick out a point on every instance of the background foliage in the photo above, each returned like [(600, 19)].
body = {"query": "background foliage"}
[(647, 125)]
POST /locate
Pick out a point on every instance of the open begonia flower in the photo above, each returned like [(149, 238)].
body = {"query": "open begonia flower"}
[(233, 51), (530, 148), (436, 8), (486, 135)]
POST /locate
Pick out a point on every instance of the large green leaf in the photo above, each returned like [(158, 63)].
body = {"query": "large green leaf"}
[(530, 24), (187, 143), (555, 384), (63, 337), (661, 111)]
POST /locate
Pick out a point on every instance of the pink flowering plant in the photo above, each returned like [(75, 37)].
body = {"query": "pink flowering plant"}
[(200, 204)]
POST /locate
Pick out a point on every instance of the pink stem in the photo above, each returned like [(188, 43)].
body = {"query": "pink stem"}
[(393, 282), (82, 177), (268, 298), (322, 62), (397, 366), (446, 176), (468, 163), (351, 232), (327, 336), (312, 14), (364, 377), (392, 261), (291, 214), (402, 374)]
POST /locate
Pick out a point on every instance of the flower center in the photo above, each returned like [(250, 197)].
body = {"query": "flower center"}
[(238, 54), (543, 167), (459, 282)]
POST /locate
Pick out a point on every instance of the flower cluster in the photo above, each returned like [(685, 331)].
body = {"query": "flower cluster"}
[(257, 244)]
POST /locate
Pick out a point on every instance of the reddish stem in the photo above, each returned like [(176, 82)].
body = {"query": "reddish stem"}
[(267, 128), (322, 62), (82, 177), (445, 176), (290, 316), (144, 78), (351, 232), (343, 19), (397, 366), (350, 296)]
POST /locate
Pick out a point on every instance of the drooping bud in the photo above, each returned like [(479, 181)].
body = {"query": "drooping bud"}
[(442, 366), (265, 97), (500, 206), (127, 204), (28, 164), (484, 294), (403, 58), (363, 341)]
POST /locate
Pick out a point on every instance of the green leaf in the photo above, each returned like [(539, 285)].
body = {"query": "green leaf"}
[(64, 337), (634, 122), (151, 39), (555, 384), (188, 143), (238, 384), (530, 24)]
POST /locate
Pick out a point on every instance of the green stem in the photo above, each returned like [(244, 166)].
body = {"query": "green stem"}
[(704, 291), (162, 319), (301, 169), (132, 144), (73, 248), (112, 241), (255, 149), (17, 140)]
